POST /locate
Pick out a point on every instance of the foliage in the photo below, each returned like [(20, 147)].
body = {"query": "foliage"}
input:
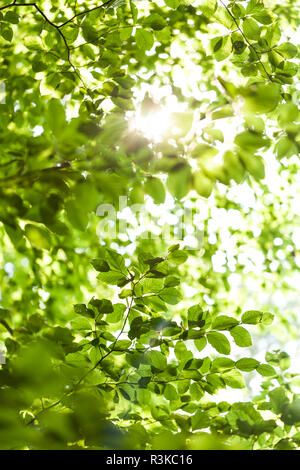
[(105, 347)]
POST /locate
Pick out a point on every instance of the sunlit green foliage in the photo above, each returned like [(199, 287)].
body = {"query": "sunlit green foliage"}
[(104, 346)]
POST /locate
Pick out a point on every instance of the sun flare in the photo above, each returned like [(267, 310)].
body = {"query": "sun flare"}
[(153, 125)]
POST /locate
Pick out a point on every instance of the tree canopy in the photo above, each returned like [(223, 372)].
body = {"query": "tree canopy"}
[(149, 209)]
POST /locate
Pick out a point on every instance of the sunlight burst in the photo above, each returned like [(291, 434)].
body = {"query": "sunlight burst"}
[(153, 125)]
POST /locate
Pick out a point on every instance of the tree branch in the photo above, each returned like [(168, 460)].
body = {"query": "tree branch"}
[(103, 5), (247, 41), (32, 4), (129, 307)]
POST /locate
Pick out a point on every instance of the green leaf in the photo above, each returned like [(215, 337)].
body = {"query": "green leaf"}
[(183, 123), (287, 112), (223, 16), (234, 166), (126, 33), (250, 139), (137, 374), (285, 148), (170, 392), (221, 47), (55, 116), (38, 66), (181, 351), (38, 237), (267, 318), (118, 313), (103, 305), (112, 277), (178, 181), (172, 281), (100, 265), (11, 17), (208, 7), (223, 112), (287, 50), (154, 261), (263, 17), (155, 21), (160, 412), (115, 260), (214, 134), (125, 293), (202, 184), (254, 164), (200, 343), (81, 309), (200, 420), (155, 303), (122, 345), (155, 188), (222, 363), (196, 391), (81, 323), (219, 342), (252, 317), (172, 3), (178, 257), (76, 215), (170, 295), (203, 151), (262, 97), (241, 336), (278, 399), (273, 35), (33, 43), (6, 32), (234, 379)]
